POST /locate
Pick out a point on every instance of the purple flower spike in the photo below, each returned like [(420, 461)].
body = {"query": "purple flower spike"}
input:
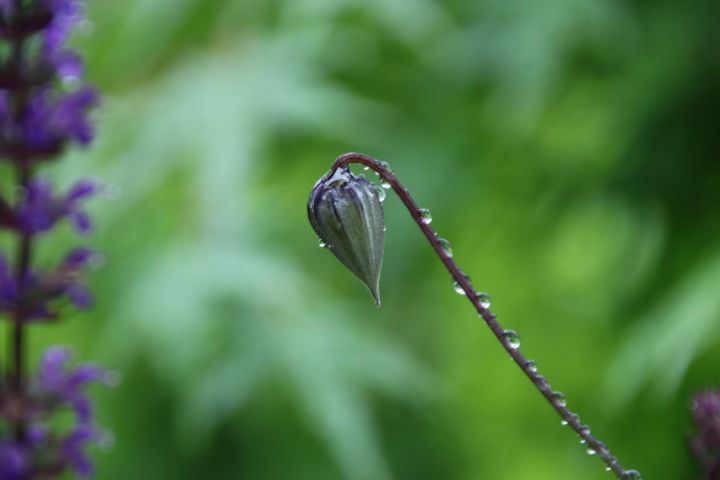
[(44, 108), (706, 444)]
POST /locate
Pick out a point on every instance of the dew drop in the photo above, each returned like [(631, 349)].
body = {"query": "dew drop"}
[(97, 261), (559, 398), (632, 475), (446, 246), (380, 193), (106, 440), (512, 338), (386, 166), (483, 299), (531, 365), (385, 185), (607, 469), (574, 416), (458, 288), (112, 192), (590, 451), (322, 244), (425, 216), (366, 168), (112, 378)]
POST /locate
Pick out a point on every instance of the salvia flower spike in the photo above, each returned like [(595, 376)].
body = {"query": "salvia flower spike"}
[(345, 210)]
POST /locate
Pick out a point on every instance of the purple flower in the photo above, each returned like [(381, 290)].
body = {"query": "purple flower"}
[(13, 462), (49, 121), (67, 14), (8, 286), (41, 289), (68, 385), (73, 449), (706, 444), (40, 209)]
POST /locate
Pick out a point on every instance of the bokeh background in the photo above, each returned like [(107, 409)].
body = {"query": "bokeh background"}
[(567, 148)]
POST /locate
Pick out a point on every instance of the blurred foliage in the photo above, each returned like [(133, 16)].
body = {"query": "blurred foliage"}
[(568, 149)]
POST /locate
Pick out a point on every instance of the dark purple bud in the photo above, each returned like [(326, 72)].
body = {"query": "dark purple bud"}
[(345, 210)]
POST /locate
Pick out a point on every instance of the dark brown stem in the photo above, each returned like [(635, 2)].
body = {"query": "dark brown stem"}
[(543, 386), (17, 381), (18, 338)]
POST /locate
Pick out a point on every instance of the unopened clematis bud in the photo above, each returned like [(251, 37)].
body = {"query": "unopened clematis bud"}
[(345, 210)]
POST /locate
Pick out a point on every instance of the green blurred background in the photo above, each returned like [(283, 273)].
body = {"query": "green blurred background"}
[(567, 148)]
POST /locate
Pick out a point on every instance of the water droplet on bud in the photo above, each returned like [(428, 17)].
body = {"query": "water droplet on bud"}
[(559, 398), (425, 216)]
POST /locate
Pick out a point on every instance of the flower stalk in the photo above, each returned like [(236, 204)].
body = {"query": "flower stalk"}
[(44, 107), (507, 338)]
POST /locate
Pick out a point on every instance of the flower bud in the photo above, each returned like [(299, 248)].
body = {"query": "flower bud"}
[(346, 212)]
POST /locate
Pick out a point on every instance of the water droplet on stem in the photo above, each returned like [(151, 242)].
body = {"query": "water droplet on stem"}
[(446, 246), (513, 338)]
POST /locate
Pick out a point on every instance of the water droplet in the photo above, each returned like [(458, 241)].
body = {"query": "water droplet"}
[(322, 244), (112, 378), (105, 440), (70, 81), (386, 166), (86, 27), (97, 261), (632, 475), (483, 299), (458, 288), (590, 451), (385, 185), (512, 338), (380, 193), (446, 246), (112, 191), (366, 168), (425, 216), (531, 365), (607, 469), (583, 441), (559, 398), (574, 416)]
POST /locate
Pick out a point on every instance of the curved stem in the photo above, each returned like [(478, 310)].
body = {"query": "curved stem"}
[(542, 385)]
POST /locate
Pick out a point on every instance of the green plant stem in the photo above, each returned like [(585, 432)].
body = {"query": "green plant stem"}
[(542, 385)]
